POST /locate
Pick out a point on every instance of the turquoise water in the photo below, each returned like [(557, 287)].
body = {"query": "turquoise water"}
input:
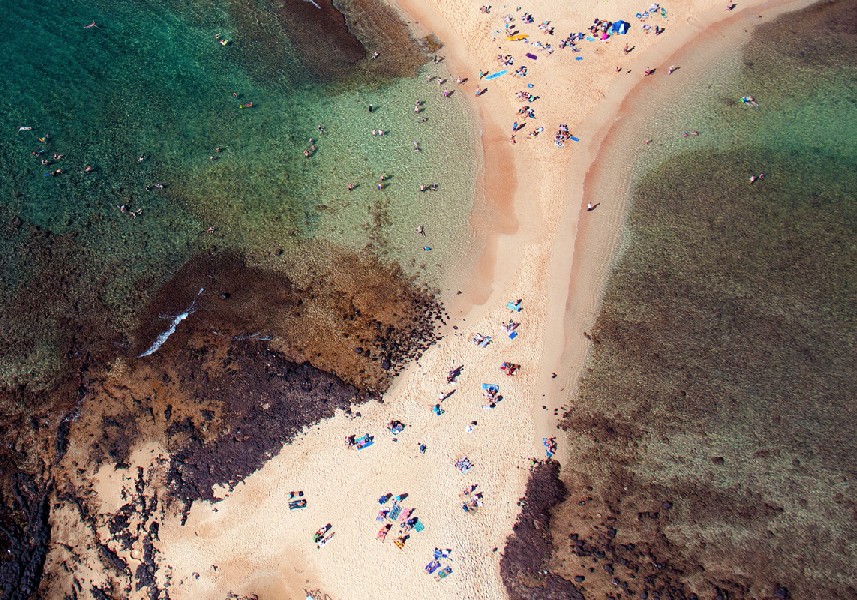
[(152, 80)]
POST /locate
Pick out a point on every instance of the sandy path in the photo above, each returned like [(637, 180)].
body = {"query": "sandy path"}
[(533, 209)]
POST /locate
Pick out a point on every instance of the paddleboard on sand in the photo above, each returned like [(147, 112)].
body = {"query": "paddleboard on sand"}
[(496, 75), (518, 37)]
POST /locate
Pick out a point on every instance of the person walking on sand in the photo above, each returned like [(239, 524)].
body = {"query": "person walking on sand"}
[(672, 70), (421, 230)]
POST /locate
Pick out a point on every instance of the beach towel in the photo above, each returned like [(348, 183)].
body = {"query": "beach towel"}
[(532, 56), (444, 572), (297, 504), (395, 512), (513, 335), (516, 306), (432, 567), (382, 533), (418, 526), (496, 75)]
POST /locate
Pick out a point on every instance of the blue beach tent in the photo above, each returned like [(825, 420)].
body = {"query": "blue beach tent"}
[(621, 27)]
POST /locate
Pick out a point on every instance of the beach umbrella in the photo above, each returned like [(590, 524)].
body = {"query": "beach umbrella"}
[(621, 27)]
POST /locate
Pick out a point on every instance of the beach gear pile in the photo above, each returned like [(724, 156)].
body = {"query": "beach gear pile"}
[(491, 391), (464, 465), (395, 427), (655, 10), (550, 446), (472, 499), (297, 500), (397, 515), (323, 535), (563, 135), (364, 441), (481, 340), (509, 368), (436, 567), (511, 329)]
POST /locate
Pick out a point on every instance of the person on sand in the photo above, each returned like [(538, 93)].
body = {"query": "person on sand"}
[(648, 72), (672, 69), (421, 230)]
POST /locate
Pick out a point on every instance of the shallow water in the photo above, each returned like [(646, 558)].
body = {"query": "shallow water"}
[(712, 427), (152, 80)]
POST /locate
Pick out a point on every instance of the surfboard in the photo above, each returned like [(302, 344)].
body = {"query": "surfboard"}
[(496, 75)]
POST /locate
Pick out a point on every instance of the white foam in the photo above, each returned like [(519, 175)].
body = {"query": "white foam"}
[(159, 341)]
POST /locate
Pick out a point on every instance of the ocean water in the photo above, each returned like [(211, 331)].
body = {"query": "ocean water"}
[(151, 80), (711, 432)]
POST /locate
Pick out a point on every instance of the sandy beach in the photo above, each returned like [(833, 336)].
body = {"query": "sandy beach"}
[(539, 244)]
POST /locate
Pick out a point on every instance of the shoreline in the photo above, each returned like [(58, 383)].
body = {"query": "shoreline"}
[(575, 308)]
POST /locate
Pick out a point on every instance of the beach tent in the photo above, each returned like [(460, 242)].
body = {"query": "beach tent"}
[(621, 27)]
